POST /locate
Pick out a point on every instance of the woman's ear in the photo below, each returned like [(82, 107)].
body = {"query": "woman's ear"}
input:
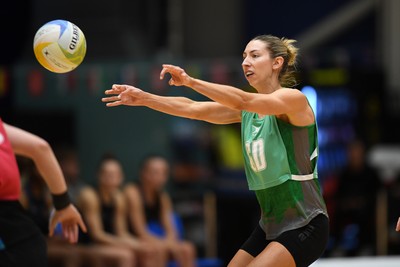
[(278, 62)]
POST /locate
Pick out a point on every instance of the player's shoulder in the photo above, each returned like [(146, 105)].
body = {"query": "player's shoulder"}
[(287, 90), (294, 94)]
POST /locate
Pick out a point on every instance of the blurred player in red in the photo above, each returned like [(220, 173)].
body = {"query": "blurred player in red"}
[(21, 241)]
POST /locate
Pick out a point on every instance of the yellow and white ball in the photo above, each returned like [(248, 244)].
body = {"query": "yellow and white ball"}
[(59, 46)]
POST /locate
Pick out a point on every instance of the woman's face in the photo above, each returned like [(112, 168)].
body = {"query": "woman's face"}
[(111, 174), (155, 173), (257, 63)]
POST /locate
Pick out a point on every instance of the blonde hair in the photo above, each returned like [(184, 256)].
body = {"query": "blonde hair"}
[(282, 47)]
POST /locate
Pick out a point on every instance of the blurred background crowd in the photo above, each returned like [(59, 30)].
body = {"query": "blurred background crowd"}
[(349, 68)]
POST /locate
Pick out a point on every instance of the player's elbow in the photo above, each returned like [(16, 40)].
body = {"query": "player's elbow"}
[(35, 149), (40, 148)]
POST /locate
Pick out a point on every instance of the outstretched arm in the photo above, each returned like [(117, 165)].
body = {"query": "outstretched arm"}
[(29, 145), (209, 111), (291, 102), (226, 95)]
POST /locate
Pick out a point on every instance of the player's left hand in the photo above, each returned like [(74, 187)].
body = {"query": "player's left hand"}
[(178, 75), (70, 220), (398, 225)]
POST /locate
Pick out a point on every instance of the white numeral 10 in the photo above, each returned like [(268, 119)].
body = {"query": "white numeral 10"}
[(255, 152)]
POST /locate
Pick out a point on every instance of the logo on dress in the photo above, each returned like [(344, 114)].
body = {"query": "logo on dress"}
[(255, 130)]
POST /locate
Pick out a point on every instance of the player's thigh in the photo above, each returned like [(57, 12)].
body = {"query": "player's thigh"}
[(240, 259), (307, 244), (252, 247), (275, 254)]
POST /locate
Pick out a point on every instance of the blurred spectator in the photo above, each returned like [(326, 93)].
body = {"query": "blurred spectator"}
[(36, 198), (104, 211), (69, 163), (353, 228), (151, 212)]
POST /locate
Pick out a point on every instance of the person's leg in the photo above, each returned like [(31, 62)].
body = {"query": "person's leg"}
[(299, 247), (308, 243), (189, 253), (275, 254), (250, 248), (152, 254), (184, 253), (23, 244), (241, 259), (104, 255), (160, 254), (62, 253)]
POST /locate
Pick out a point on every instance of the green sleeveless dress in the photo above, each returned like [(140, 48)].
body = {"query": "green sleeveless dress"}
[(281, 167)]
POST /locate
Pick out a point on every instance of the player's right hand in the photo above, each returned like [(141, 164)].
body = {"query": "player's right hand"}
[(121, 94), (70, 219)]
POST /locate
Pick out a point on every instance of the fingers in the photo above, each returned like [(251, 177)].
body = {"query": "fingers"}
[(51, 231), (398, 225), (111, 92), (73, 233), (112, 101), (111, 98), (115, 89), (66, 232), (114, 104), (70, 220), (52, 226), (82, 225), (162, 73), (70, 232), (171, 69)]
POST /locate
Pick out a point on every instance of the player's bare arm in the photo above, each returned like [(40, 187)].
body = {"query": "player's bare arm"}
[(209, 111)]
